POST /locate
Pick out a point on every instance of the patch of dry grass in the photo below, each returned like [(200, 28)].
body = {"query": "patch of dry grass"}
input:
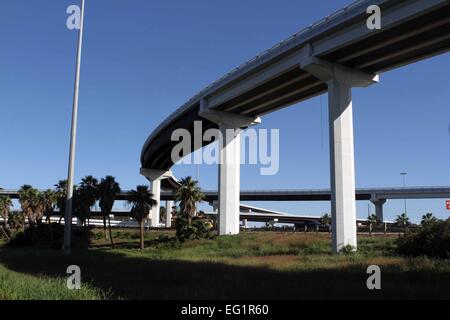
[(256, 265)]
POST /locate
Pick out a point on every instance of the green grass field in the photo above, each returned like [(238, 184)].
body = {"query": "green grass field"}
[(252, 265)]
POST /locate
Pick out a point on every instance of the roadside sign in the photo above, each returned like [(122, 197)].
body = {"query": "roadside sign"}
[(447, 204)]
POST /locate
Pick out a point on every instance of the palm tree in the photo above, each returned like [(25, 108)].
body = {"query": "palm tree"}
[(87, 197), (373, 220), (61, 197), (141, 201), (402, 220), (428, 218), (30, 204), (5, 209), (48, 200), (188, 195), (108, 189), (326, 220)]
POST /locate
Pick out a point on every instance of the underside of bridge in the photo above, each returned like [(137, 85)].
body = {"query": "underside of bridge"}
[(332, 56)]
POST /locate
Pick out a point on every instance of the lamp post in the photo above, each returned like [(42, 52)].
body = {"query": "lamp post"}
[(403, 174), (73, 138)]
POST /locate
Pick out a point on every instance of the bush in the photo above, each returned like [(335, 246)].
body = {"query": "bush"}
[(199, 228), (433, 240), (348, 250)]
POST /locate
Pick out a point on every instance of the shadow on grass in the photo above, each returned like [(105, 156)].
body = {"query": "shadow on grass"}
[(143, 278)]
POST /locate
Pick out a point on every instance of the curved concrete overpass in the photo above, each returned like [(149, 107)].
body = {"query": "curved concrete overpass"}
[(333, 55)]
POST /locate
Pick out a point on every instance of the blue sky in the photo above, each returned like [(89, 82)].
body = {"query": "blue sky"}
[(142, 59)]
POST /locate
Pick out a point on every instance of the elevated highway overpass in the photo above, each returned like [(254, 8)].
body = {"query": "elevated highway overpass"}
[(333, 55), (378, 196)]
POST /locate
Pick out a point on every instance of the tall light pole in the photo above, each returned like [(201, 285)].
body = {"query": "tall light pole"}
[(73, 138), (403, 174)]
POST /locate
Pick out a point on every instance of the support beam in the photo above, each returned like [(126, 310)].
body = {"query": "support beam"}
[(230, 126), (245, 224), (378, 203), (342, 168), (155, 210), (340, 80), (155, 176), (229, 181), (215, 205), (169, 206)]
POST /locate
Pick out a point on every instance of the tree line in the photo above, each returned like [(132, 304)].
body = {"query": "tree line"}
[(39, 205)]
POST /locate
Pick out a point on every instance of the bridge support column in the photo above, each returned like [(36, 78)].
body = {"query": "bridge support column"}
[(169, 206), (155, 177), (156, 195), (342, 168), (229, 164), (340, 81), (229, 181), (378, 203), (245, 223)]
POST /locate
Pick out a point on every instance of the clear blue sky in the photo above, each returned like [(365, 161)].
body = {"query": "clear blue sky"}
[(142, 59)]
